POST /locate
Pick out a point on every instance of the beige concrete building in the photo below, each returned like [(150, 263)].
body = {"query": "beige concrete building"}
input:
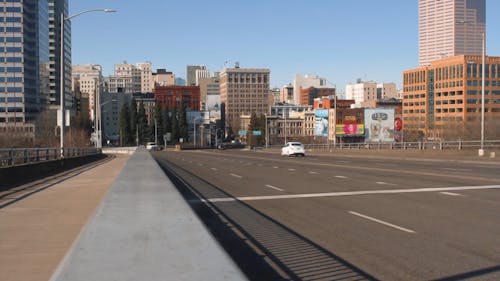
[(162, 77), (449, 28), (129, 78), (88, 80), (243, 91)]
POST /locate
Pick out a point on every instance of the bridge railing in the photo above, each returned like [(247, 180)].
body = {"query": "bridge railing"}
[(429, 145), (20, 156)]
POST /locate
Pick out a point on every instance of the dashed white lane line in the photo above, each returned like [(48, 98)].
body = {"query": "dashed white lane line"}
[(385, 183), (341, 177), (235, 175), (214, 169), (451, 193), (259, 165), (353, 193), (382, 222), (291, 170), (274, 187), (456, 170), (275, 167), (199, 164), (313, 173)]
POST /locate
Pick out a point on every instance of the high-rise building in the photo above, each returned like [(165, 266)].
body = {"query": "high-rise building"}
[(450, 27), (25, 63), (56, 9), (88, 80), (244, 91), (286, 93), (443, 100), (200, 74), (304, 82), (129, 78)]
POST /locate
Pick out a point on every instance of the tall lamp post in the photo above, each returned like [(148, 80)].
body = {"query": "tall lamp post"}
[(61, 75), (483, 73)]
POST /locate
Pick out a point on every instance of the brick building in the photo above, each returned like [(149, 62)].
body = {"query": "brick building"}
[(174, 96)]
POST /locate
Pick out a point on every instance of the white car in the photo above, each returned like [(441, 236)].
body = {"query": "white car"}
[(293, 148), (151, 146)]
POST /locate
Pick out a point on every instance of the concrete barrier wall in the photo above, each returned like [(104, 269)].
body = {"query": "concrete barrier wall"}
[(145, 230), (15, 175)]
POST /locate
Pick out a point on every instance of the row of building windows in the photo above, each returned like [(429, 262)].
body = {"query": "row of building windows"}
[(11, 79), (11, 69), (10, 19), (488, 101), (11, 39), (450, 72), (451, 110), (11, 29), (487, 83), (11, 109), (11, 49), (10, 59), (11, 89), (11, 99), (10, 120), (10, 9), (439, 102)]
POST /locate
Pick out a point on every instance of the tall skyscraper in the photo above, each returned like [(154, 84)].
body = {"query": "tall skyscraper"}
[(24, 69), (56, 9), (449, 28)]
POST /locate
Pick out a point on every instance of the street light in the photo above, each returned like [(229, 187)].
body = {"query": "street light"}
[(483, 74), (61, 75), (194, 140), (267, 133)]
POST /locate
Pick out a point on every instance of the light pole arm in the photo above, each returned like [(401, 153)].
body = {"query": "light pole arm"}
[(89, 11)]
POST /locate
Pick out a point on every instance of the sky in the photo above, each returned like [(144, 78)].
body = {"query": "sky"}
[(340, 40)]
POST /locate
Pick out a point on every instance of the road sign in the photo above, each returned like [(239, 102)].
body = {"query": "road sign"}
[(242, 132), (257, 133)]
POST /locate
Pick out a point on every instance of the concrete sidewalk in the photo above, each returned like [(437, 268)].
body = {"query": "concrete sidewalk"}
[(36, 232), (144, 230)]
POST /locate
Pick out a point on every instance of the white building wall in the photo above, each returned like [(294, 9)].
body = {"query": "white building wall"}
[(361, 92)]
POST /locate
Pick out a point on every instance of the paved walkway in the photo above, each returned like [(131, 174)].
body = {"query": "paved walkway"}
[(36, 232)]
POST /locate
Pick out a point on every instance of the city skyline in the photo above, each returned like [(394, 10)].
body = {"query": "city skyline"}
[(341, 42)]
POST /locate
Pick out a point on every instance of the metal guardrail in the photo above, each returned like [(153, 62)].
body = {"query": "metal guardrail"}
[(429, 145), (20, 156)]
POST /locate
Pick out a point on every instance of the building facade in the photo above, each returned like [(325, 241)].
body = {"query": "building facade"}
[(87, 80), (26, 64), (443, 100), (129, 78), (361, 92), (162, 77), (243, 91), (308, 95), (449, 28), (303, 82), (174, 96)]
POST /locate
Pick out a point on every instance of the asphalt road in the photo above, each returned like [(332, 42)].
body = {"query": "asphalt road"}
[(328, 217)]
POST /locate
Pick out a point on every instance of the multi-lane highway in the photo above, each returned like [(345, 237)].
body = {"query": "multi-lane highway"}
[(330, 217)]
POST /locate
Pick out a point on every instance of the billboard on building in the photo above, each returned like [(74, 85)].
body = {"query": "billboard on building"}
[(321, 122), (379, 124), (350, 129)]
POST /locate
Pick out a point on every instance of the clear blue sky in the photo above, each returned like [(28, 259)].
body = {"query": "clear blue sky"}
[(341, 40)]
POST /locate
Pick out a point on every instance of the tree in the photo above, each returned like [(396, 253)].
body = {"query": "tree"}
[(126, 136), (158, 117), (175, 126), (183, 126), (166, 123), (256, 124), (133, 119), (142, 125)]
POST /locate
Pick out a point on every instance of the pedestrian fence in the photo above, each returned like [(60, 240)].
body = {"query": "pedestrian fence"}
[(22, 156)]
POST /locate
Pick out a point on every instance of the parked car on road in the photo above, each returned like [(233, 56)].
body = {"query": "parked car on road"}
[(293, 148)]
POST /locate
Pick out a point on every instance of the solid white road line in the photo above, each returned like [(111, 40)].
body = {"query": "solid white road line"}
[(382, 222), (354, 193), (451, 193), (235, 175), (453, 169), (274, 187)]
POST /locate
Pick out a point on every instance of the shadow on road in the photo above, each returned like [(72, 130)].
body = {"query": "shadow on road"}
[(292, 256)]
